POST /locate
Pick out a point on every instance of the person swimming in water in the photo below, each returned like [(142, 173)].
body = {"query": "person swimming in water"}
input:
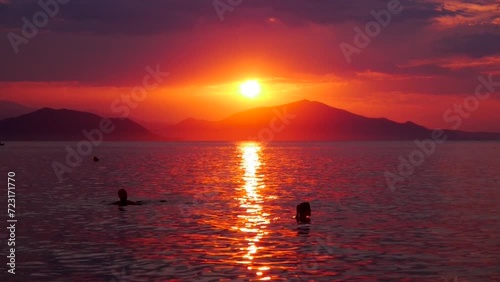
[(303, 215), (122, 194)]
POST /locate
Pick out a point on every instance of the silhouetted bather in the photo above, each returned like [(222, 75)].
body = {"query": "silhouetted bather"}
[(303, 214), (122, 194), (96, 159)]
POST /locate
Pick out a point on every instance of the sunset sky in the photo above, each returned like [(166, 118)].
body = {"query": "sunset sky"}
[(423, 62)]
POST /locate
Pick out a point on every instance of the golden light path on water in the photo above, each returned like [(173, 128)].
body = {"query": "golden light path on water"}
[(255, 221)]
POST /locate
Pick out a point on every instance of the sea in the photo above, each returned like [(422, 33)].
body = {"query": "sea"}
[(224, 211)]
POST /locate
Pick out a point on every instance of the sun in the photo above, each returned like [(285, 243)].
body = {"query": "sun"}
[(250, 88)]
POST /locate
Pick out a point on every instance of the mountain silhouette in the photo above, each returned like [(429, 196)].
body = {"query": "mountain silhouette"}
[(299, 121), (307, 121), (58, 125), (10, 109)]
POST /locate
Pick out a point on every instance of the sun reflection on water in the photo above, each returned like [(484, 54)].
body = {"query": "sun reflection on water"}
[(254, 220)]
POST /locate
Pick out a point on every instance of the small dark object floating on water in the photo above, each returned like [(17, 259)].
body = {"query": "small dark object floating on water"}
[(303, 215), (2, 144), (96, 159)]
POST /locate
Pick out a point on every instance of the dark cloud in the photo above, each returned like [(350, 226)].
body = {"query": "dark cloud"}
[(151, 16), (472, 45), (332, 12), (113, 16)]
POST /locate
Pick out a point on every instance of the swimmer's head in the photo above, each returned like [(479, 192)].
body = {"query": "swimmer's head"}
[(303, 212), (122, 194)]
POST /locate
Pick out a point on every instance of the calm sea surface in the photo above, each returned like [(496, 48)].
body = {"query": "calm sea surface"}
[(223, 212)]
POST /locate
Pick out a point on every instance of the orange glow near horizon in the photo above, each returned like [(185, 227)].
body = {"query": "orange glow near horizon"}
[(174, 103)]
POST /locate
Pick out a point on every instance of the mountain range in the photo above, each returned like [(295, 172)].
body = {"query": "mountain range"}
[(10, 109), (298, 121), (64, 125), (308, 121)]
